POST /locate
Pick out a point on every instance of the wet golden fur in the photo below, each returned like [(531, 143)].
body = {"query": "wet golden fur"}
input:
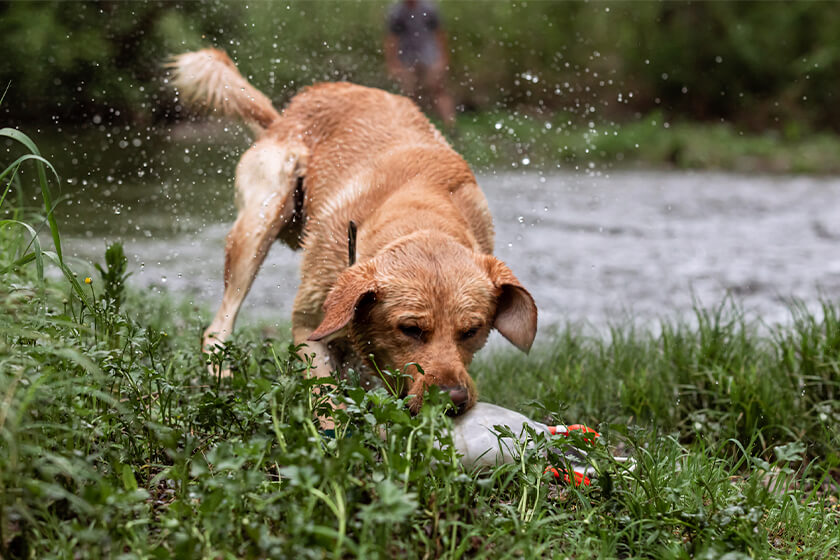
[(425, 288)]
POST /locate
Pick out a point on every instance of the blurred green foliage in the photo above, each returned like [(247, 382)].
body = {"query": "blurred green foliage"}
[(760, 64)]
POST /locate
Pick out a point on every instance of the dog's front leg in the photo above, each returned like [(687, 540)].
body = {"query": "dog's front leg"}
[(322, 364)]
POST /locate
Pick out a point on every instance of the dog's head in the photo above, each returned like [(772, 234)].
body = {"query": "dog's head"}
[(430, 301)]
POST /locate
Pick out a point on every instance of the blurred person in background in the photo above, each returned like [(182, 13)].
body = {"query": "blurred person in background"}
[(417, 56)]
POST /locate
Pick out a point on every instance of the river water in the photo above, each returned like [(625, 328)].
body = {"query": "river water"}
[(592, 247)]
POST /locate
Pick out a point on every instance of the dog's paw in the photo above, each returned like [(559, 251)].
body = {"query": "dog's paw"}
[(213, 351)]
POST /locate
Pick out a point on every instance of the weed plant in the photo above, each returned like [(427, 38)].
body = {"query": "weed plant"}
[(117, 440)]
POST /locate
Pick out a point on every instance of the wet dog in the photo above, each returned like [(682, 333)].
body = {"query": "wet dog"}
[(396, 235)]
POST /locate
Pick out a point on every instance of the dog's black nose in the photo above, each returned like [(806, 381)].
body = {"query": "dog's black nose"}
[(459, 396)]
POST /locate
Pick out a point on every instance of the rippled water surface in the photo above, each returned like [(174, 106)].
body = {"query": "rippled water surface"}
[(591, 248)]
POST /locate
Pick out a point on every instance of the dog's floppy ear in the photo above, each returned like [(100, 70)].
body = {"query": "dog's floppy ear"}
[(351, 286), (516, 312)]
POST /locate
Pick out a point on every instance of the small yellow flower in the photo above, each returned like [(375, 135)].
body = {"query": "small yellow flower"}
[(88, 280)]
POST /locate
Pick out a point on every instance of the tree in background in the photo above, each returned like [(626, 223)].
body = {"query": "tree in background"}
[(761, 64), (69, 61)]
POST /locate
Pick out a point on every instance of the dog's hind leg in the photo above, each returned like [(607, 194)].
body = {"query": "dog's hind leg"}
[(266, 178)]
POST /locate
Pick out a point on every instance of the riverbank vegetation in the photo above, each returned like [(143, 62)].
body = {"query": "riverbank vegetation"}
[(501, 140), (116, 440)]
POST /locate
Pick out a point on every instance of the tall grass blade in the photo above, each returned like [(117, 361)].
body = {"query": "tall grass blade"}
[(42, 179), (13, 167), (27, 257)]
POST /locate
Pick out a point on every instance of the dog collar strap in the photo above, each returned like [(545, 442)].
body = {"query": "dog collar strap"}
[(351, 243)]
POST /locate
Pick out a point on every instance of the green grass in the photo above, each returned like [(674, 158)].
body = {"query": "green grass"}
[(560, 140), (116, 441), (721, 378)]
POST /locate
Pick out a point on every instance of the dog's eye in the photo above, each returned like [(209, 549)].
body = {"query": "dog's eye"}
[(412, 331), (468, 334)]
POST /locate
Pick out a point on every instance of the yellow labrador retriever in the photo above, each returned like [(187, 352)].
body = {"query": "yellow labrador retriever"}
[(396, 235)]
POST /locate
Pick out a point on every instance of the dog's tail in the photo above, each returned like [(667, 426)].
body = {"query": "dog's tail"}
[(209, 77)]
